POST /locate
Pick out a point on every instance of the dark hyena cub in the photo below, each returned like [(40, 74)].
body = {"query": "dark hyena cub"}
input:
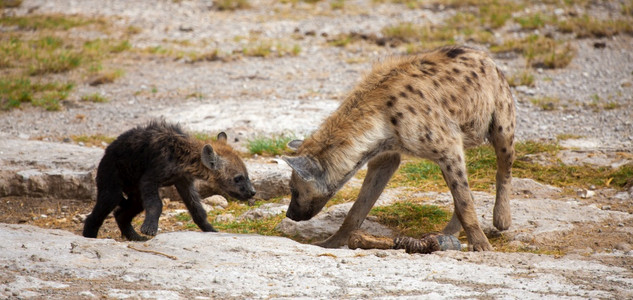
[(144, 159)]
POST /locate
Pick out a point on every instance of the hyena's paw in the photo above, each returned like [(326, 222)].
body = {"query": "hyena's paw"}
[(480, 246), (333, 242), (149, 229), (502, 217)]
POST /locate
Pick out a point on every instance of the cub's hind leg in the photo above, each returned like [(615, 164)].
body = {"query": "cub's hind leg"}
[(108, 198), (126, 212)]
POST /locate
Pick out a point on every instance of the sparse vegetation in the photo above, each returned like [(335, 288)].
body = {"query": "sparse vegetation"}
[(97, 140), (587, 26), (546, 103), (95, 97), (567, 136), (481, 165), (539, 51), (232, 4), (524, 77), (53, 22)]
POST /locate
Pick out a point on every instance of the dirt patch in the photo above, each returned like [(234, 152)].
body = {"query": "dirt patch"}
[(68, 214)]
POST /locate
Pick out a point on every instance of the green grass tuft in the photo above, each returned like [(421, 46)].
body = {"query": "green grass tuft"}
[(412, 219), (16, 90), (269, 146), (53, 22)]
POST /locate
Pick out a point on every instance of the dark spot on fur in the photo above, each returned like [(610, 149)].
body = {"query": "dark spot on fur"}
[(419, 93), (428, 136), (460, 173), (399, 114), (453, 98), (426, 62), (451, 111), (448, 168), (394, 121), (456, 70), (454, 185), (409, 88), (503, 150), (436, 84), (500, 128), (468, 80), (474, 74), (466, 183), (482, 70), (464, 58), (454, 52), (447, 79), (435, 151), (412, 110), (403, 94), (389, 103)]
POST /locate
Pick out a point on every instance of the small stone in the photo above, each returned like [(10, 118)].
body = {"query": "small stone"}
[(216, 200), (585, 194), (225, 218), (381, 254), (207, 207), (624, 247), (606, 207)]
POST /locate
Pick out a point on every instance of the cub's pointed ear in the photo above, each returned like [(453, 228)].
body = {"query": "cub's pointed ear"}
[(294, 144), (222, 136), (307, 168), (209, 158)]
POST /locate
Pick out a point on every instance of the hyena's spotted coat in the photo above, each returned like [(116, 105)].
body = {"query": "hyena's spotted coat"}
[(431, 105)]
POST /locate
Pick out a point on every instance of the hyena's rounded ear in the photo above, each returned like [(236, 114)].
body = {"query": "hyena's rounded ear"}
[(307, 168), (222, 136), (209, 158), (294, 144)]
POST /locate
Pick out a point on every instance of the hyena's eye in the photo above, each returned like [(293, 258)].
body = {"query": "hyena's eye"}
[(239, 178)]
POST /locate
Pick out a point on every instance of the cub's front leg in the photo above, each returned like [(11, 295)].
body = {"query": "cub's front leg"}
[(191, 198), (379, 171)]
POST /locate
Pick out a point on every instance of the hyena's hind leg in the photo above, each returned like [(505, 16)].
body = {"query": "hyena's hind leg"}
[(502, 139)]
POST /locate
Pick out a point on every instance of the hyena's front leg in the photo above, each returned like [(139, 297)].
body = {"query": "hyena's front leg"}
[(453, 168), (379, 171)]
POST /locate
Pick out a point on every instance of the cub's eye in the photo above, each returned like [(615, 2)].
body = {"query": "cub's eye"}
[(239, 178)]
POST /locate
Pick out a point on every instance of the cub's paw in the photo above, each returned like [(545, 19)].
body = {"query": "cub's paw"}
[(149, 229)]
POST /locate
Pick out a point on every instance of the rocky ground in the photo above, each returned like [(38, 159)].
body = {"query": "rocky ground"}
[(48, 181)]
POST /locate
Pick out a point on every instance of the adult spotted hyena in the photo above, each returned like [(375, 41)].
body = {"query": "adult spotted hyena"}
[(144, 159), (430, 105)]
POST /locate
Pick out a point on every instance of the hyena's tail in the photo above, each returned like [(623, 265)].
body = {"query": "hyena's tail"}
[(109, 196)]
